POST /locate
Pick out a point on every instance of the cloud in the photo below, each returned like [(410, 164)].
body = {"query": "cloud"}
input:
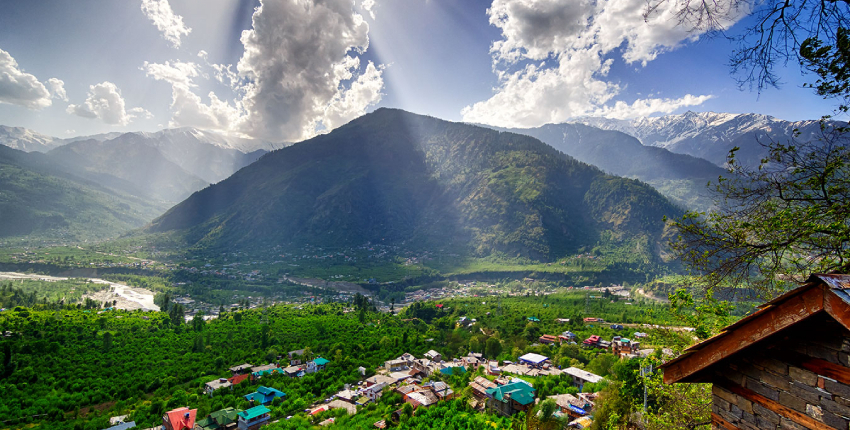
[(297, 58), (300, 74), (171, 25), (20, 88), (554, 57), (368, 5), (646, 107), (57, 89), (180, 72), (188, 110), (105, 102)]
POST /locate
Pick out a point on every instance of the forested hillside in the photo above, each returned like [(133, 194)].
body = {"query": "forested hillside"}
[(396, 178)]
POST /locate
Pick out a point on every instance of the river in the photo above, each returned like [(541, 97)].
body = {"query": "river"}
[(125, 296)]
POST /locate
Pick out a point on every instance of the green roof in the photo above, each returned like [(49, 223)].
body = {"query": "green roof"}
[(521, 392), (321, 361), (254, 412), (219, 418)]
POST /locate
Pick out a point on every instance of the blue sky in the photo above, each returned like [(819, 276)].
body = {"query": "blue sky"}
[(92, 66)]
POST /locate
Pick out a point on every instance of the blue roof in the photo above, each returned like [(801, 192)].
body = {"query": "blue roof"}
[(264, 395), (577, 410), (520, 391), (254, 412), (321, 361), (122, 426), (453, 370)]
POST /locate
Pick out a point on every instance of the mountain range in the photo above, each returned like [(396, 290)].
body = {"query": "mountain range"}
[(41, 199), (397, 178), (712, 135), (680, 177), (391, 177)]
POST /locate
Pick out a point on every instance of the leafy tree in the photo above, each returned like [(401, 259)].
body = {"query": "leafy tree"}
[(778, 30), (493, 348), (790, 216)]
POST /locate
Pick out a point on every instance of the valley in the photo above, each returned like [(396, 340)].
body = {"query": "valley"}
[(394, 237)]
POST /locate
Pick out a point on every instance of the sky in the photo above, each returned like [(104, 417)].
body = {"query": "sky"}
[(285, 70)]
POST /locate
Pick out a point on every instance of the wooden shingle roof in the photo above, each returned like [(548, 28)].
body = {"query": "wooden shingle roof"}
[(821, 293)]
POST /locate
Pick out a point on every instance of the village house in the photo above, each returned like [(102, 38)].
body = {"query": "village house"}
[(258, 372), (212, 386), (254, 418), (237, 379), (396, 365), (625, 348), (567, 336), (179, 419), (294, 371), (562, 320), (581, 377), (241, 369), (264, 395), (474, 359), (122, 426), (433, 356), (534, 360), (373, 392), (224, 419), (379, 379), (511, 398), (321, 363), (493, 368), (548, 339), (296, 357), (785, 366), (421, 366), (315, 365), (571, 405), (480, 385), (441, 389), (422, 398)]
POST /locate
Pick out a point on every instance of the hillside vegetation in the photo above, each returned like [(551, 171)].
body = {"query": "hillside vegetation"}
[(396, 178)]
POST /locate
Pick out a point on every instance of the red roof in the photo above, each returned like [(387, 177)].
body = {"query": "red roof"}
[(239, 378), (181, 418), (440, 305)]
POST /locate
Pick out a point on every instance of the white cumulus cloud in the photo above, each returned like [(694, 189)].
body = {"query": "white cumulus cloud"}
[(296, 59), (554, 57), (180, 73), (170, 25), (104, 101), (20, 88), (57, 89), (300, 74)]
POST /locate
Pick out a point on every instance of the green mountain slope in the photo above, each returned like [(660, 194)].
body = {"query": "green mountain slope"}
[(680, 177), (396, 178), (40, 200), (132, 160)]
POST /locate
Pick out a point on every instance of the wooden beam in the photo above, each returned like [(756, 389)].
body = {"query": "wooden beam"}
[(825, 368), (781, 316), (784, 411), (837, 308), (718, 422)]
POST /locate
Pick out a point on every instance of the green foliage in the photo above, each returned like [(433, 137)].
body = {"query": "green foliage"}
[(42, 202)]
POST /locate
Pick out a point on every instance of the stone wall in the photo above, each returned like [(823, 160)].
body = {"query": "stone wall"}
[(767, 387)]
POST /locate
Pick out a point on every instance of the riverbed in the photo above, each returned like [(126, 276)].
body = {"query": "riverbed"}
[(125, 296)]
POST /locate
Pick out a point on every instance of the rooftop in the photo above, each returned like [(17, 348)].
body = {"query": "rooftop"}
[(583, 374), (254, 412), (827, 294), (533, 358)]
